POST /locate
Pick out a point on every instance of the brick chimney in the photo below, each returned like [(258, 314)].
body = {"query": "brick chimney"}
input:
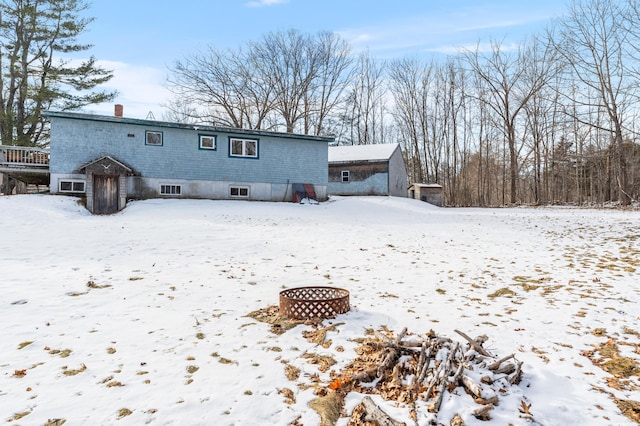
[(119, 110)]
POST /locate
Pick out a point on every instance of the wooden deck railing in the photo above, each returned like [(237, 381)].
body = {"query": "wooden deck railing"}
[(23, 158)]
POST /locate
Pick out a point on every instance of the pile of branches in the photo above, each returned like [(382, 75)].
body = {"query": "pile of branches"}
[(419, 371)]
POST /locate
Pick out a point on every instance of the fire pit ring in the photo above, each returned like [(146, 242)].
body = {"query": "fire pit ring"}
[(313, 302)]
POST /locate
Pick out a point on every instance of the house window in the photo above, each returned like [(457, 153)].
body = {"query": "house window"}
[(170, 189), (243, 147), (71, 186), (239, 191), (346, 176), (153, 138), (207, 142)]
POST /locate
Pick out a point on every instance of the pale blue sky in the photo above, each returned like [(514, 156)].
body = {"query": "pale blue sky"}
[(139, 39)]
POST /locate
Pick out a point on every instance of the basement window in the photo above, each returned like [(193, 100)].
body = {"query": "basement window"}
[(71, 186), (239, 191), (170, 189), (346, 176), (153, 138)]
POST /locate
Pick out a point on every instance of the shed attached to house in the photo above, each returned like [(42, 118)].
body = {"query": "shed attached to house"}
[(133, 158), (429, 192), (367, 170), (105, 185)]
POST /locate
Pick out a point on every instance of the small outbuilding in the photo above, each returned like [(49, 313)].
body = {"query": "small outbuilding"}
[(429, 192), (105, 185), (367, 170)]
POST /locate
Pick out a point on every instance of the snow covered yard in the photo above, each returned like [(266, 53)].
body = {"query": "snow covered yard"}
[(142, 317)]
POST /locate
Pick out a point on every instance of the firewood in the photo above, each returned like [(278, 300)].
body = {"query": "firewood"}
[(477, 346), (421, 358), (515, 378), (373, 413), (448, 364), (482, 413), (506, 369), (496, 364), (434, 380), (402, 333), (456, 377), (387, 362), (472, 387)]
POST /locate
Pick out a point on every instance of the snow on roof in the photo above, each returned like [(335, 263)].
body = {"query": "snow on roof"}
[(427, 185), (361, 152)]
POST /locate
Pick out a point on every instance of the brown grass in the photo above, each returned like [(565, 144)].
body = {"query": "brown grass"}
[(328, 407)]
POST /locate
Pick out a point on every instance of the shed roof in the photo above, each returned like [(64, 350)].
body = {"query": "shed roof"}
[(426, 185), (375, 152), (109, 160)]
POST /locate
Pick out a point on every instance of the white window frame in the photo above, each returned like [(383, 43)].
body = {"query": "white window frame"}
[(240, 191), (74, 184), (246, 151), (153, 134), (345, 176), (170, 189), (213, 138)]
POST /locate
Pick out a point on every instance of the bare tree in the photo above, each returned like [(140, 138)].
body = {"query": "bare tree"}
[(410, 83), (332, 75), (365, 105), (221, 88), (286, 80), (509, 85), (287, 63), (593, 43)]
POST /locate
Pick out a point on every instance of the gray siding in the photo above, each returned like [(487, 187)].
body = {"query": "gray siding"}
[(398, 178), (282, 159), (375, 184)]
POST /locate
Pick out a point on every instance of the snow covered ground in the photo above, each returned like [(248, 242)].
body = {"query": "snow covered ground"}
[(141, 317)]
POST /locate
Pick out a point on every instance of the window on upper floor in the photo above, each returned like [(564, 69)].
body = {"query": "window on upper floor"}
[(346, 176), (153, 138), (239, 147), (207, 142)]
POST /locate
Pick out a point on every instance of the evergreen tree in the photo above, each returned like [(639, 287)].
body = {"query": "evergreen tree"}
[(35, 37)]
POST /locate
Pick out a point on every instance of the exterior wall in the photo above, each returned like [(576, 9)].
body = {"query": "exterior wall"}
[(258, 191), (430, 194), (365, 179), (282, 159), (55, 178), (398, 177)]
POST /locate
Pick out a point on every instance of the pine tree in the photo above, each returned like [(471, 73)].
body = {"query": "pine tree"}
[(35, 37)]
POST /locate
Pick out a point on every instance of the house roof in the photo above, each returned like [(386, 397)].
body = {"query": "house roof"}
[(157, 123), (348, 153)]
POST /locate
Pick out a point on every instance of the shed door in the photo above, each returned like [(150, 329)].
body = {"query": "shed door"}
[(105, 194)]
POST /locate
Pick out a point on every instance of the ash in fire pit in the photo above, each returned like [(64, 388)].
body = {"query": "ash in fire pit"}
[(313, 302)]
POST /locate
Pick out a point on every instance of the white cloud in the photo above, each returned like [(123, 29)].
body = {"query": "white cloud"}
[(483, 47), (140, 89), (442, 33), (261, 3)]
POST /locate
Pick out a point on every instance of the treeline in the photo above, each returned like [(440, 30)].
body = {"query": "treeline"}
[(551, 120)]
